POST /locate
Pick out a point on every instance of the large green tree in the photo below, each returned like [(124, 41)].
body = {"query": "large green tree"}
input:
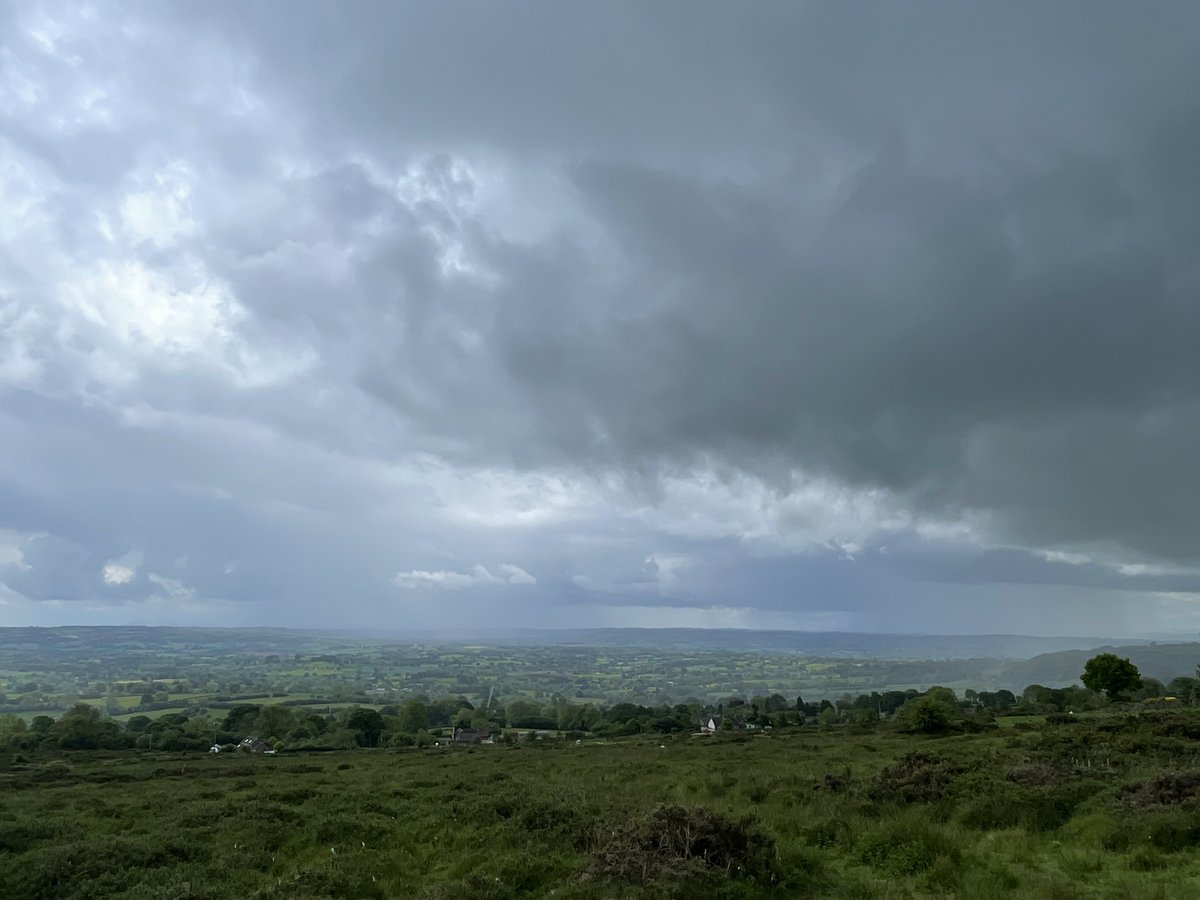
[(240, 719), (413, 717), (274, 721), (367, 725), (931, 713), (1110, 674), (82, 728)]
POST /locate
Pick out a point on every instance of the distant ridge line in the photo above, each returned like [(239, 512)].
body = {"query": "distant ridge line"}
[(829, 644)]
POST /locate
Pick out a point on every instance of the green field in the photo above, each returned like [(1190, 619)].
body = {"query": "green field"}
[(1105, 807)]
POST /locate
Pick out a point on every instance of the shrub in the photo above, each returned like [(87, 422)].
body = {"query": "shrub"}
[(675, 841), (1164, 789), (916, 778), (1182, 725), (930, 714)]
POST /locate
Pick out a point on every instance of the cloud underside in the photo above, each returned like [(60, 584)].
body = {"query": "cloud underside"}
[(478, 576), (798, 310)]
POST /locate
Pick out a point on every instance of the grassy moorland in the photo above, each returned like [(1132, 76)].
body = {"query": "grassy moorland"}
[(1106, 806)]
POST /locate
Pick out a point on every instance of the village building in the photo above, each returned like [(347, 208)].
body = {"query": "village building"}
[(471, 736)]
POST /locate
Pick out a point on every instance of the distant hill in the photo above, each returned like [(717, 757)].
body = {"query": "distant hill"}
[(1161, 661), (73, 640), (813, 643)]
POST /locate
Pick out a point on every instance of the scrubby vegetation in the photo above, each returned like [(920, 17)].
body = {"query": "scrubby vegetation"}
[(1055, 792), (1100, 806)]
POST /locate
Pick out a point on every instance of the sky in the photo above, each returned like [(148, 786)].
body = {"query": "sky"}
[(408, 315)]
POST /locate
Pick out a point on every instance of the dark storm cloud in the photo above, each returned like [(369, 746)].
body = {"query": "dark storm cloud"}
[(992, 308), (778, 307), (918, 345)]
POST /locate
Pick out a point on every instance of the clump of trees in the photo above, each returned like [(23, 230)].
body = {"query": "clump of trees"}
[(1112, 675), (937, 711)]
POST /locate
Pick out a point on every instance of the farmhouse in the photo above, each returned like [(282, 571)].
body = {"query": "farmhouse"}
[(712, 724), (254, 745), (471, 736)]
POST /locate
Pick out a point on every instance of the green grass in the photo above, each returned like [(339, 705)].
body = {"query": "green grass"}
[(1051, 812)]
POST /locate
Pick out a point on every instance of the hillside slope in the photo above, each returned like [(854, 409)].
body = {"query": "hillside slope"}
[(1161, 661)]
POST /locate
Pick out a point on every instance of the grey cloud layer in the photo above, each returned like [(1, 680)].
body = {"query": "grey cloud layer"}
[(585, 309)]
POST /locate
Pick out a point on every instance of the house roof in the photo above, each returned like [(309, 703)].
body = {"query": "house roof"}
[(467, 735)]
